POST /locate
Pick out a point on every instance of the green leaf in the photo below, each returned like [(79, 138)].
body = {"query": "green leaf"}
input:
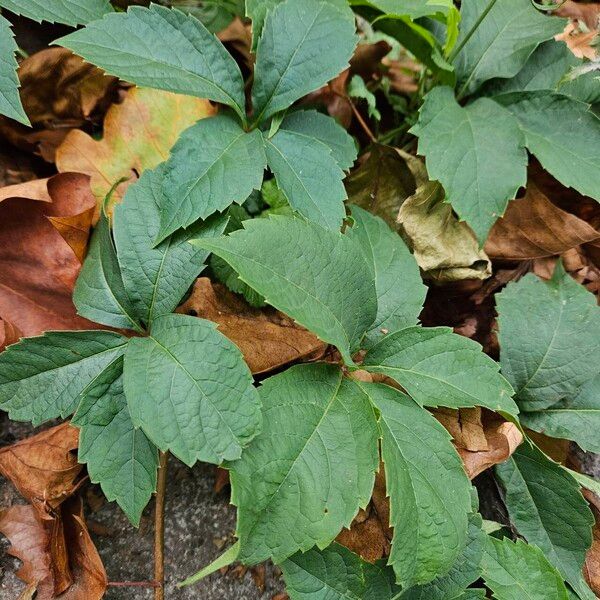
[(309, 176), (563, 134), (132, 46), (100, 293), (41, 378), (118, 456), (316, 276), (358, 89), (156, 278), (549, 338), (335, 573), (10, 102), (414, 9), (440, 368), (400, 291), (303, 45), (214, 163), (189, 389), (314, 125), (502, 43), (69, 12), (215, 15), (576, 419), (429, 491), (519, 571), (465, 570), (312, 467), (479, 178), (546, 507)]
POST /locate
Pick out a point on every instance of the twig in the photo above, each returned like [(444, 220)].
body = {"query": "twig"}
[(357, 114), (159, 529), (148, 584)]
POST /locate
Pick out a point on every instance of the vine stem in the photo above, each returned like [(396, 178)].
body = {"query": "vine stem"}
[(471, 31), (159, 529)]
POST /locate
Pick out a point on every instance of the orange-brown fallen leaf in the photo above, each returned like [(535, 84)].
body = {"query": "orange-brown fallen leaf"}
[(60, 92), (534, 227), (267, 338), (238, 35), (591, 567), (138, 135), (588, 12), (36, 286), (9, 334)]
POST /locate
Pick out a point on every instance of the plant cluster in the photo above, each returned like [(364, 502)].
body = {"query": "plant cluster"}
[(303, 447)]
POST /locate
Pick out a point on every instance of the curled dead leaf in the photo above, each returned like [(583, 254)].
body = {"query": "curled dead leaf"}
[(9, 334), (138, 135), (267, 338)]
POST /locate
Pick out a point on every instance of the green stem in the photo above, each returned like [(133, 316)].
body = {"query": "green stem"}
[(471, 31)]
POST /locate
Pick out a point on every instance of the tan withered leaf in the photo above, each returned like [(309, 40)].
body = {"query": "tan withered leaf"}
[(35, 286), (445, 248), (482, 438), (533, 227), (59, 92), (138, 134), (381, 183), (267, 338), (44, 467), (581, 43)]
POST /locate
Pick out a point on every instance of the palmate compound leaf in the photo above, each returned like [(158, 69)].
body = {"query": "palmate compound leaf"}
[(42, 378), (549, 336), (519, 571), (400, 290), (576, 418), (10, 102), (99, 293), (118, 456), (440, 368), (429, 491), (316, 276), (562, 133), (213, 164), (479, 177), (310, 469), (547, 508), (304, 44), (502, 43), (190, 391), (335, 573), (132, 46), (156, 277), (69, 12)]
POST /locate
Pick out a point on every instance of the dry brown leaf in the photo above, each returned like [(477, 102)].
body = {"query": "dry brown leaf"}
[(533, 227), (9, 334), (588, 12), (239, 36), (16, 167), (138, 134), (591, 567), (557, 449), (482, 438), (59, 92), (267, 338), (36, 287), (333, 97), (579, 42)]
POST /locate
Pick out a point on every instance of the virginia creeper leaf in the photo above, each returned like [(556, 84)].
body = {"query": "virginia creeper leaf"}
[(479, 177), (118, 456), (41, 378), (519, 571), (546, 507), (214, 163), (335, 573), (502, 43), (132, 46), (69, 12), (440, 368), (100, 293), (576, 418), (310, 469), (430, 493), (156, 278), (549, 338), (563, 134), (412, 8), (400, 291), (309, 176), (10, 101), (317, 277), (189, 389), (304, 44)]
